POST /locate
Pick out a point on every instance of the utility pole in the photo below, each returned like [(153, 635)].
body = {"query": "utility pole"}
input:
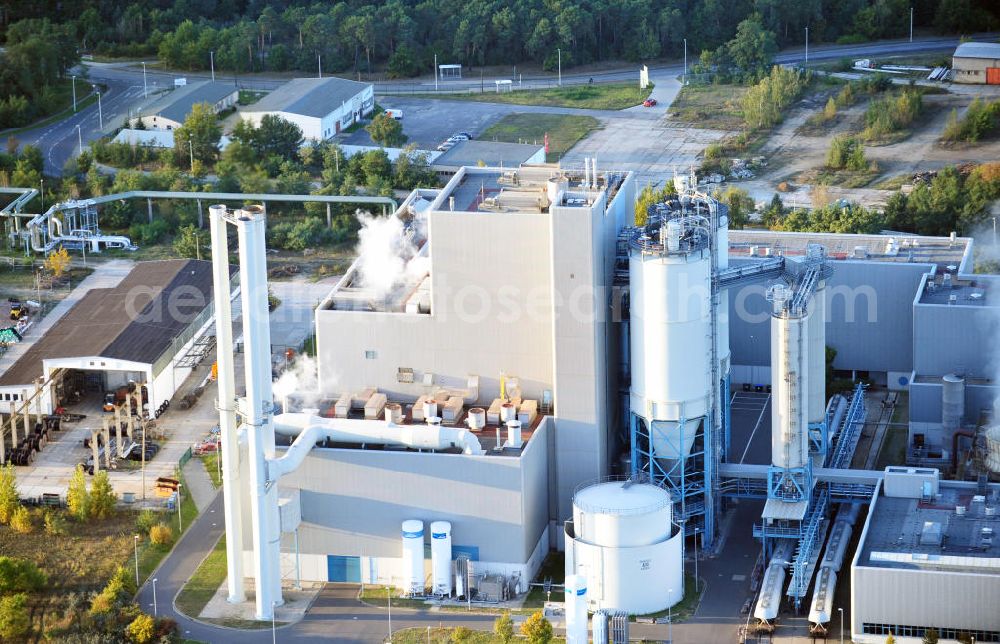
[(74, 94), (559, 54), (191, 150), (911, 24), (100, 110), (211, 62), (388, 597), (135, 540), (41, 185), (319, 65), (685, 61), (144, 92), (435, 72), (807, 45)]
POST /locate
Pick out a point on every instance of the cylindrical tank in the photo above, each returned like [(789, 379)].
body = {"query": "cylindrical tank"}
[(821, 608), (413, 556), (555, 186), (576, 609), (599, 627), (790, 381), (817, 355), (477, 418), (441, 558), (670, 306), (769, 600), (430, 408), (623, 541), (508, 412), (952, 401), (514, 434), (993, 449), (394, 413)]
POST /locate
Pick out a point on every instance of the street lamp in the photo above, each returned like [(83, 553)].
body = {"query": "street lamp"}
[(100, 110), (41, 185), (79, 136), (559, 54), (144, 94), (191, 150), (388, 597), (211, 62), (136, 542), (154, 596), (274, 633), (74, 94), (180, 519), (807, 45), (685, 61), (841, 611)]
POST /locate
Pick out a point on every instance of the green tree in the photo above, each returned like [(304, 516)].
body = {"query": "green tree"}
[(21, 521), (375, 166), (278, 137), (77, 497), (537, 629), (503, 628), (386, 131), (188, 242), (102, 496), (15, 619), (9, 498), (740, 205), (753, 47), (199, 136)]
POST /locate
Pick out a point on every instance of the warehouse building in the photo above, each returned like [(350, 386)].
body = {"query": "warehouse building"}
[(169, 112), (926, 540), (977, 62), (466, 317), (145, 330), (321, 107), (494, 154)]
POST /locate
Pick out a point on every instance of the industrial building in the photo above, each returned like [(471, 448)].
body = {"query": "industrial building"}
[(493, 154), (977, 62), (504, 344), (321, 107), (169, 111), (928, 558), (144, 330)]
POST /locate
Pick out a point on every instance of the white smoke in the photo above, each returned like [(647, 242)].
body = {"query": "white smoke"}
[(386, 253), (299, 384), (986, 245)]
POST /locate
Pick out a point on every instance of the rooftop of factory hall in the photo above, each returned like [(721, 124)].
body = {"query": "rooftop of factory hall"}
[(524, 189), (956, 530), (947, 288), (884, 247)]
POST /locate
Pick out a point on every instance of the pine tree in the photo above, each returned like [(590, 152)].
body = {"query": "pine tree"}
[(77, 497), (102, 496)]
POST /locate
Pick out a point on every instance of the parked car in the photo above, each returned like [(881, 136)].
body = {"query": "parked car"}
[(396, 114), (447, 145), (466, 135), (458, 137), (649, 102)]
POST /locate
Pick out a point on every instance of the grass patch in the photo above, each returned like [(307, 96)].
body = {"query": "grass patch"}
[(150, 554), (842, 178), (201, 587), (893, 450), (211, 463), (379, 596), (243, 624), (448, 636), (894, 182), (604, 96), (250, 96), (554, 568), (564, 130), (714, 107)]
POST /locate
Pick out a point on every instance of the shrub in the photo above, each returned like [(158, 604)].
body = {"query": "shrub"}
[(77, 497), (142, 629), (503, 628), (20, 575), (9, 501), (146, 520), (537, 629), (116, 594), (846, 152), (102, 496), (22, 521), (55, 523), (161, 534)]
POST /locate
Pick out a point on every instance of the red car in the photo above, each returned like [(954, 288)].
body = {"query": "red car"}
[(649, 102)]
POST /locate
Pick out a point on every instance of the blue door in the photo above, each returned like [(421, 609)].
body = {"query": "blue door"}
[(343, 569)]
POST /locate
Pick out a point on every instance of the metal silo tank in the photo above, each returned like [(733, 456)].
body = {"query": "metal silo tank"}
[(441, 577), (790, 381), (413, 556), (576, 609), (670, 328)]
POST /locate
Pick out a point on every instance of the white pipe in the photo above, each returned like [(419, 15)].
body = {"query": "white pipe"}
[(311, 429), (257, 410), (231, 490)]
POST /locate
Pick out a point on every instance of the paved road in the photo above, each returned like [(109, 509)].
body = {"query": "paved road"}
[(124, 92)]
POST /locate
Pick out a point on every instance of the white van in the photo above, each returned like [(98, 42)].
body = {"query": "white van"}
[(396, 114)]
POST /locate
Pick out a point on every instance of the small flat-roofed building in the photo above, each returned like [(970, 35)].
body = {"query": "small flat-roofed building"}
[(143, 330), (169, 111), (928, 557), (321, 107), (486, 153), (977, 62)]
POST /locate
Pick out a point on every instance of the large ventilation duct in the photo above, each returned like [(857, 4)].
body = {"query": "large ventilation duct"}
[(952, 402)]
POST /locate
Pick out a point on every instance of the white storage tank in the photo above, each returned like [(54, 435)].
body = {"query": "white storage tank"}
[(790, 382), (670, 315), (952, 401), (441, 577), (413, 556), (576, 609), (623, 541)]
